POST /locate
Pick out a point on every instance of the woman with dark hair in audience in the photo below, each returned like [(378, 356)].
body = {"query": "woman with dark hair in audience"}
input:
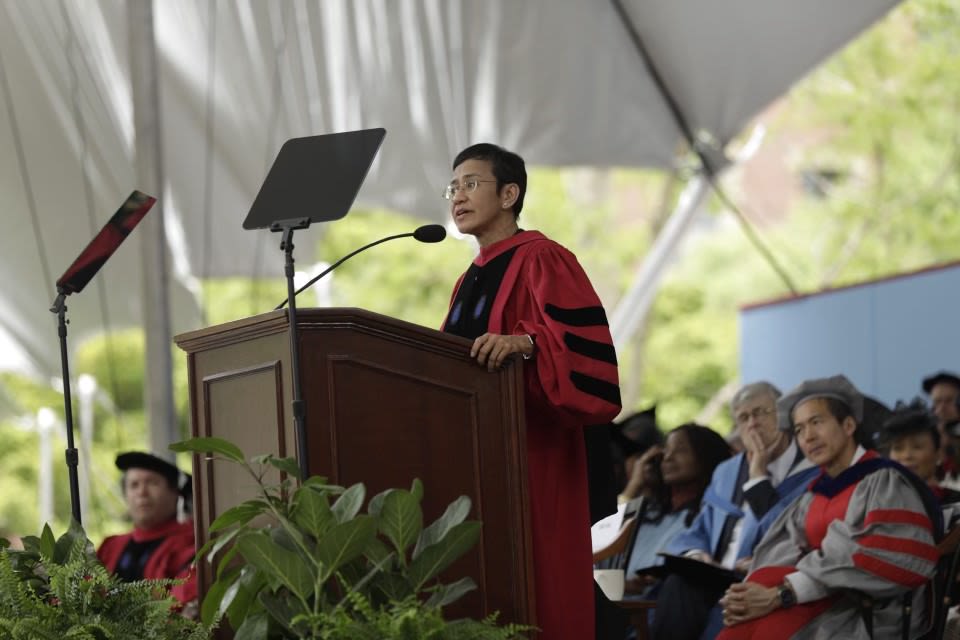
[(910, 437), (680, 476)]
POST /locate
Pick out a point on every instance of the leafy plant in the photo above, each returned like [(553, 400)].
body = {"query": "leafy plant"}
[(57, 589), (321, 569), (406, 619)]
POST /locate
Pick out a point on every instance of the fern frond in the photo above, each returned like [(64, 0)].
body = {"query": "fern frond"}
[(76, 599), (32, 629), (12, 591)]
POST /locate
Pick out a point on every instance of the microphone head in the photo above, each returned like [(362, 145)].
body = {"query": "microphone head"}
[(430, 233)]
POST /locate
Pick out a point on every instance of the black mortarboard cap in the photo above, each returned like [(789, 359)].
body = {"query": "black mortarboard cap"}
[(142, 460), (637, 432)]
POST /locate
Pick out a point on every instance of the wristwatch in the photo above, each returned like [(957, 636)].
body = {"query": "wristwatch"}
[(787, 597)]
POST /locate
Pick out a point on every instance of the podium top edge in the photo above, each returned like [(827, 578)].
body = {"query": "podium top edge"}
[(276, 322)]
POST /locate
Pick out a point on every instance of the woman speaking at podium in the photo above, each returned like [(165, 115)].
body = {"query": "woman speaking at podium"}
[(526, 294)]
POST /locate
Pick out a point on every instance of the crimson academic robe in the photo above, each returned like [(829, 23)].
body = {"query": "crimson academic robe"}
[(171, 558), (869, 530), (538, 288)]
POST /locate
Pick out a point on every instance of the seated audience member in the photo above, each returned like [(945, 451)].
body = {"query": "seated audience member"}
[(689, 457), (14, 542), (631, 438), (950, 466), (644, 487), (944, 390), (159, 546), (910, 437), (644, 480), (635, 442), (865, 524), (746, 494)]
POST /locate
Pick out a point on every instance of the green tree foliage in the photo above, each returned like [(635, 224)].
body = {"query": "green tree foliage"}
[(117, 362), (18, 460), (404, 279), (889, 165), (19, 471), (26, 395), (226, 299)]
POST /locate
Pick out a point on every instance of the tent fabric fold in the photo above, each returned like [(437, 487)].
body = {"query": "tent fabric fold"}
[(560, 81)]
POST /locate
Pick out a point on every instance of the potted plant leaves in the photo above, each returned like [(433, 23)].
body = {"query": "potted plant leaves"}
[(304, 560)]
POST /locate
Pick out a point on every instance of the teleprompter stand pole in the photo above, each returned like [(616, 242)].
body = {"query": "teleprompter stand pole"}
[(73, 280), (60, 308), (287, 227)]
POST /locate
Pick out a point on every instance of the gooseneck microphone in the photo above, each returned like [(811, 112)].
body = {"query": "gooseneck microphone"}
[(426, 233)]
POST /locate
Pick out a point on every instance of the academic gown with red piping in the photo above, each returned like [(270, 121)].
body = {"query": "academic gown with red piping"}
[(172, 558), (867, 530), (528, 284)]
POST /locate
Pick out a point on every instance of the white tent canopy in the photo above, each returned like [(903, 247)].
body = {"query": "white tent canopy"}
[(561, 81)]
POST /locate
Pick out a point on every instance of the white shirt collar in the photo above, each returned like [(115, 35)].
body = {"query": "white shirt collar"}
[(859, 453)]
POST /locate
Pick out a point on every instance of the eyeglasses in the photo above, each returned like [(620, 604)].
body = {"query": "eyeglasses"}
[(756, 414), (469, 186)]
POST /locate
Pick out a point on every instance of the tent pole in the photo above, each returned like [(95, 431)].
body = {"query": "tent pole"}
[(631, 312), (148, 158)]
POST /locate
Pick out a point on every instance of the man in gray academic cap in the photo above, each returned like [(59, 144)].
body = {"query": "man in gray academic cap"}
[(864, 524), (836, 398)]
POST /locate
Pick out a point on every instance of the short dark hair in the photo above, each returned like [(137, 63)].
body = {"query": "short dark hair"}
[(508, 167), (908, 421), (709, 447), (837, 408)]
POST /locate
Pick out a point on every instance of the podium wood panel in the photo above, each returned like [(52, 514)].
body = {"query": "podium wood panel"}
[(387, 401)]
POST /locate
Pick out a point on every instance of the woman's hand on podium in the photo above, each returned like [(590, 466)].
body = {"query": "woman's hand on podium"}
[(493, 349)]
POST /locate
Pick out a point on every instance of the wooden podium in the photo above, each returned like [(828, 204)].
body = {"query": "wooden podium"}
[(386, 401)]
